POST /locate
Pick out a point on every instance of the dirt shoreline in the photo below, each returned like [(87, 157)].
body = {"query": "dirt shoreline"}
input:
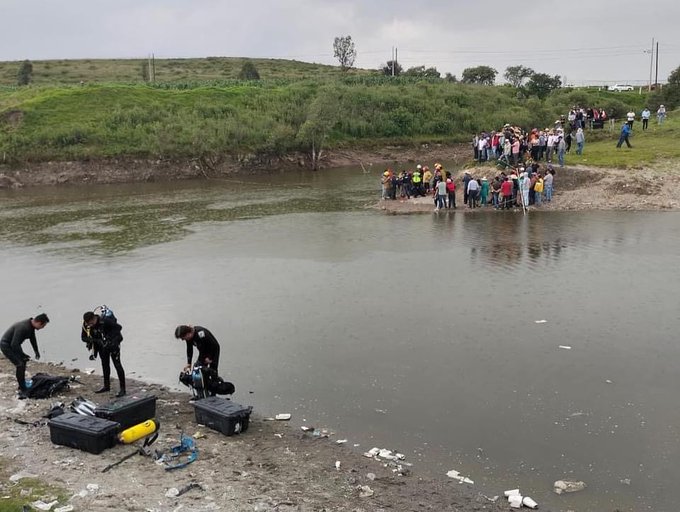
[(654, 187), (274, 466), (130, 170)]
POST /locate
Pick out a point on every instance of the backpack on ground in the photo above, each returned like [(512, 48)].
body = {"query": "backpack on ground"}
[(205, 382), (46, 386)]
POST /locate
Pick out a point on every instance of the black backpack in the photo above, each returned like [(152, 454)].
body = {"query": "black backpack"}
[(46, 386)]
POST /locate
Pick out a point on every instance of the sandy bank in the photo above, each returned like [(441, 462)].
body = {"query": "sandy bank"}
[(272, 467)]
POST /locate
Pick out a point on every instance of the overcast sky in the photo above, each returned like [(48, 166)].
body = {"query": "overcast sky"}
[(586, 41)]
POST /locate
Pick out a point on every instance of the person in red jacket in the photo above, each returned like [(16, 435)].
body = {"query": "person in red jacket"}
[(506, 192), (451, 191)]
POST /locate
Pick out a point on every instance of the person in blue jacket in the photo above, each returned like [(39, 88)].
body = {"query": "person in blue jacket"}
[(625, 133)]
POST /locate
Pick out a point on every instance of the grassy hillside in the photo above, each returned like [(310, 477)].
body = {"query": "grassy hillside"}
[(67, 72), (265, 119), (658, 144)]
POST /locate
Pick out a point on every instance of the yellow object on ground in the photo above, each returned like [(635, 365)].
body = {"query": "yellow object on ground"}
[(139, 431)]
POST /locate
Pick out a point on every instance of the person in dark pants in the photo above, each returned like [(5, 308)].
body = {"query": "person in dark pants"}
[(102, 334), (207, 345), (625, 133), (466, 180), (472, 191), (10, 345)]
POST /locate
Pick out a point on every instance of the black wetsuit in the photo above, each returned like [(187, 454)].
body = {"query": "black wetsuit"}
[(10, 345), (207, 346), (105, 338)]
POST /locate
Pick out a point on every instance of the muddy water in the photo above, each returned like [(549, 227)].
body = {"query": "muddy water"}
[(410, 332)]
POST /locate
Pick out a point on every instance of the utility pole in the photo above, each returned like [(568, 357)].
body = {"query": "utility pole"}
[(153, 66), (651, 64), (396, 56), (393, 61), (656, 78)]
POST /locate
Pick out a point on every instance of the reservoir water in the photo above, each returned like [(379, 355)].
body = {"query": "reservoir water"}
[(414, 332)]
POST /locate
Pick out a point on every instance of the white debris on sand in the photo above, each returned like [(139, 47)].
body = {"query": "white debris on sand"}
[(365, 491), (561, 486), (457, 476), (21, 474)]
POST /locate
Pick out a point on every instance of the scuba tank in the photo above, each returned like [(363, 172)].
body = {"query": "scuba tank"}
[(139, 431), (83, 406)]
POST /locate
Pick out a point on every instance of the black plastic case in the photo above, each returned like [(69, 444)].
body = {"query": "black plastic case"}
[(222, 415), (128, 410), (87, 433)]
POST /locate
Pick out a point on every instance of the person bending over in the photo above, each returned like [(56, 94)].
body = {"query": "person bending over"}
[(11, 341), (207, 345)]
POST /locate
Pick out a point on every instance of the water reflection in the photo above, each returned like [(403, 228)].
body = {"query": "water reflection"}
[(115, 221), (332, 312)]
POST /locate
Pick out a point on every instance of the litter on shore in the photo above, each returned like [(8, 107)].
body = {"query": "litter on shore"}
[(561, 486), (457, 476)]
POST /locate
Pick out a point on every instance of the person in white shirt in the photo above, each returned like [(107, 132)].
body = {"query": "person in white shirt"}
[(661, 114), (630, 118), (472, 191), (552, 142), (525, 186), (481, 148), (645, 115)]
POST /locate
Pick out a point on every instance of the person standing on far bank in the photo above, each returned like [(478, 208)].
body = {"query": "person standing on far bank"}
[(625, 133), (103, 333), (580, 141), (10, 345), (645, 115), (661, 114)]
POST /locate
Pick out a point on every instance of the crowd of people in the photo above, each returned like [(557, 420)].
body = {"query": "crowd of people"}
[(519, 155), (511, 145), (510, 188)]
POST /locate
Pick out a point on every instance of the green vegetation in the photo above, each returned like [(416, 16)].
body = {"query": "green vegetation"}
[(656, 145), (483, 75), (249, 71), (25, 74), (15, 497), (72, 72), (212, 116), (345, 51)]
